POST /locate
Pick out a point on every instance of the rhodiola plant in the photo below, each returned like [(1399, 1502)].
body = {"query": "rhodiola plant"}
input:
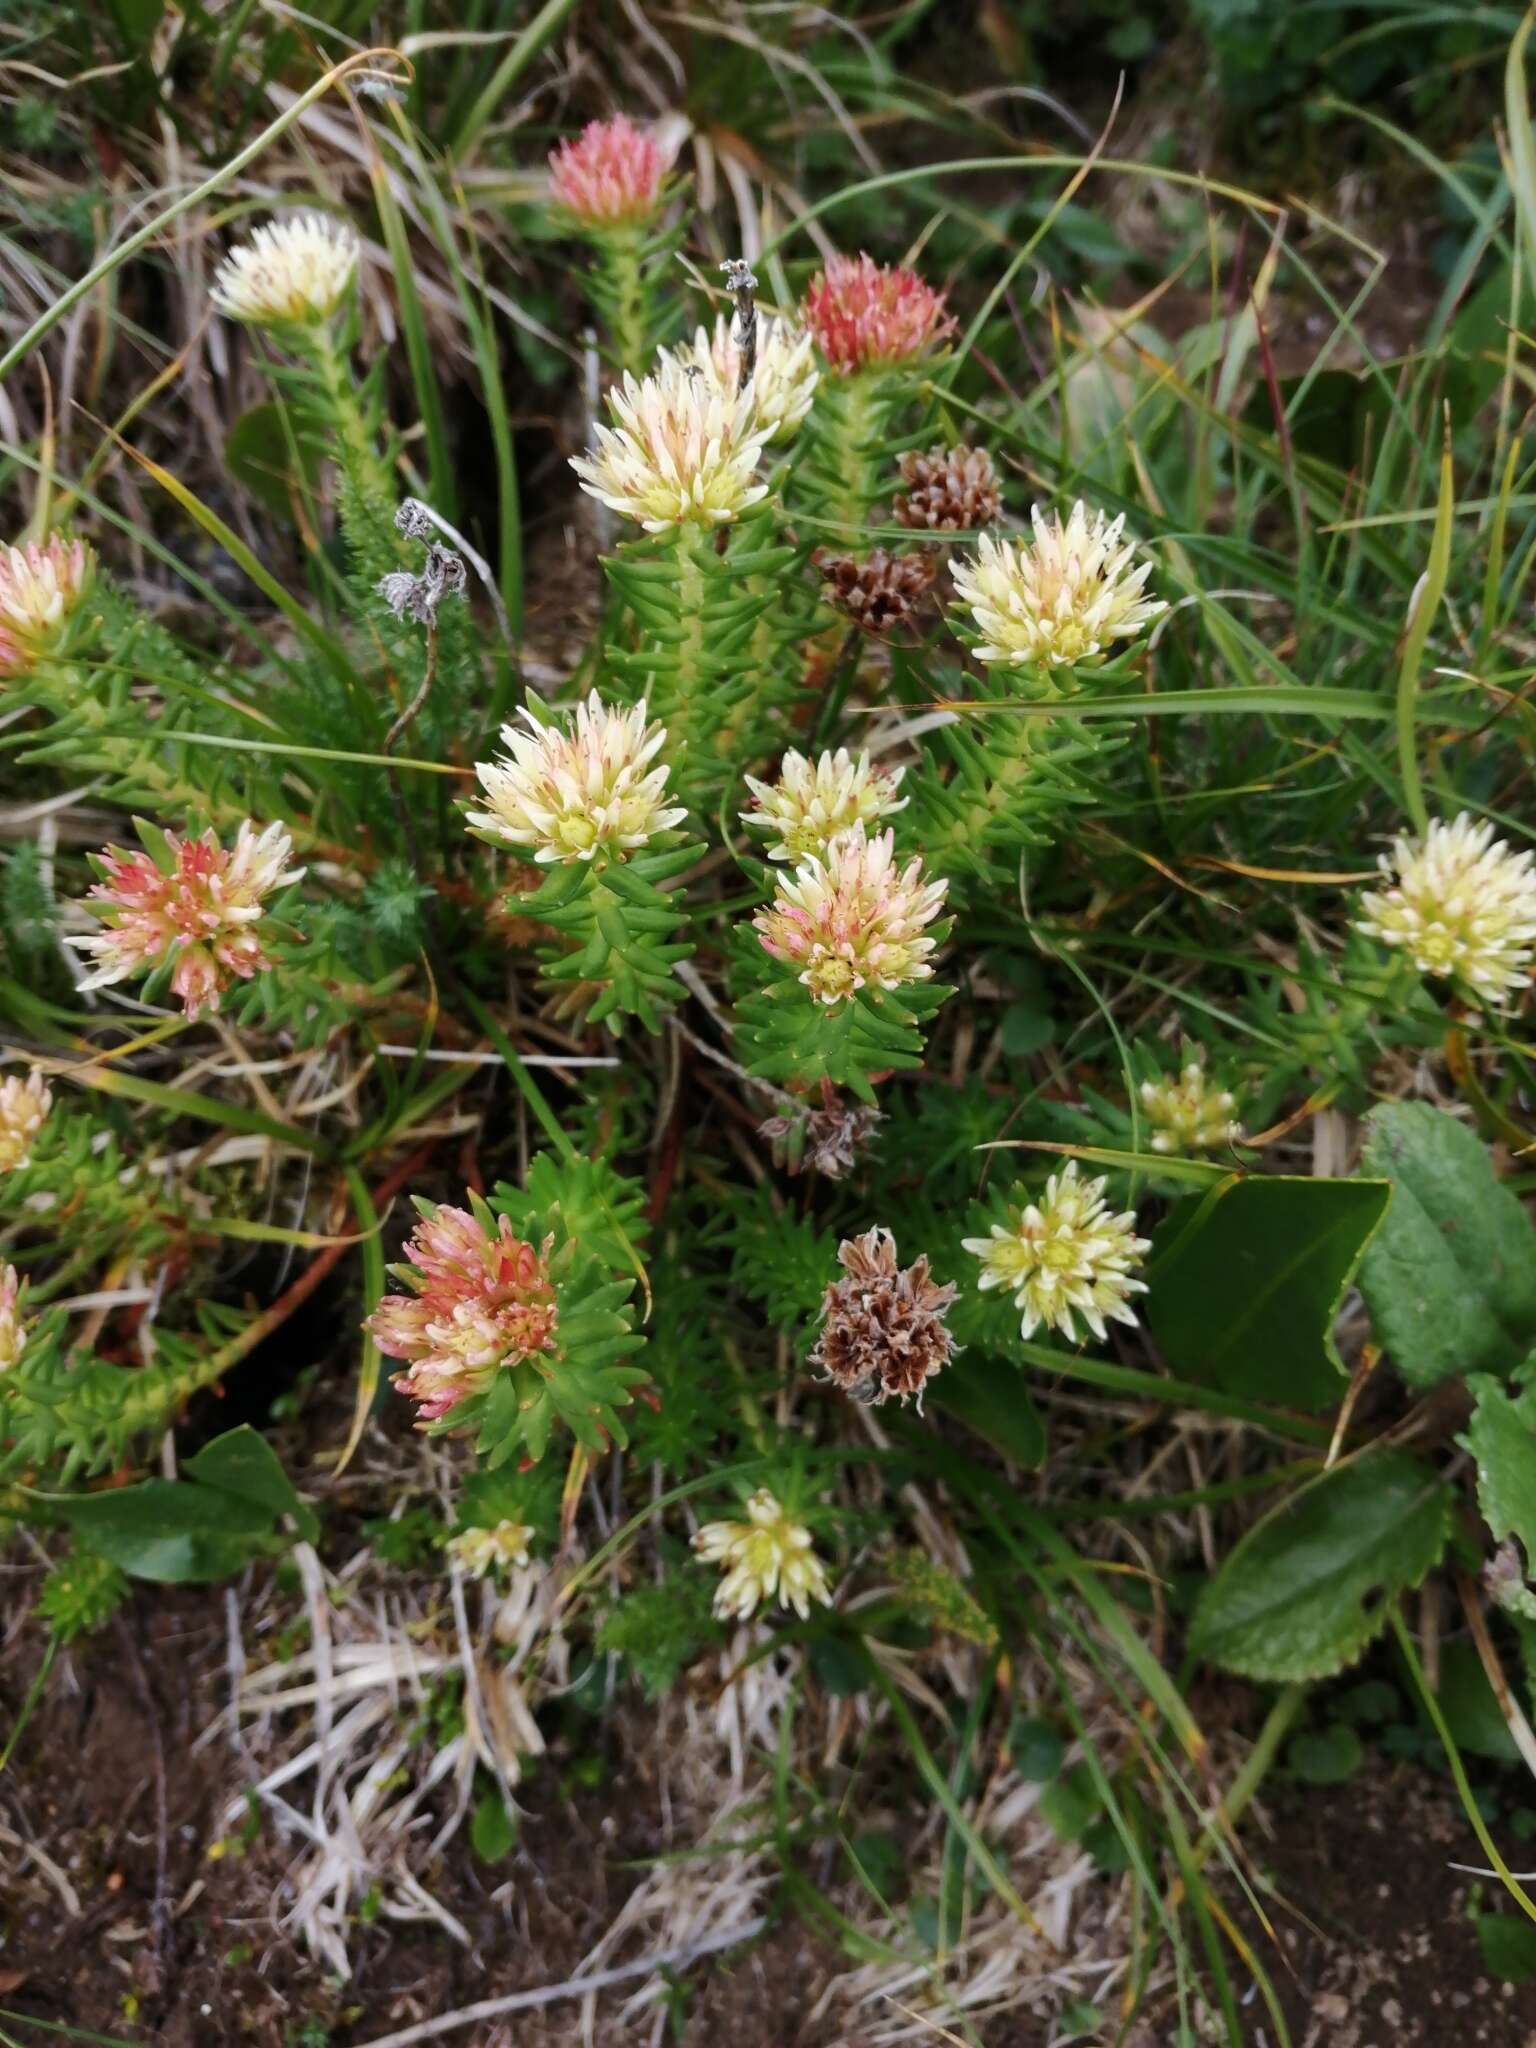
[(807, 1086)]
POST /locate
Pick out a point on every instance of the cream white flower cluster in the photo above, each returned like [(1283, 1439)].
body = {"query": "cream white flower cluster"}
[(850, 918), (682, 451), (1060, 600), (478, 1551), (784, 378), (1064, 1256), (24, 1107), (291, 273), (813, 801), (571, 791), (42, 587), (766, 1555), (1461, 904), (1188, 1111)]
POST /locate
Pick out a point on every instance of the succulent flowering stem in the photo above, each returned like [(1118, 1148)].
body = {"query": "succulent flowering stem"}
[(367, 488)]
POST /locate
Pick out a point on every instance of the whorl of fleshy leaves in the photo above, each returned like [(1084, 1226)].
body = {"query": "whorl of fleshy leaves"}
[(478, 1551), (291, 273), (681, 452), (611, 175), (42, 586), (24, 1107), (866, 315), (1064, 1255), (196, 911), (1061, 599), (480, 1299), (13, 1334), (853, 919), (767, 1555), (571, 791), (811, 802), (883, 1330), (1461, 904), (1189, 1111), (784, 376)]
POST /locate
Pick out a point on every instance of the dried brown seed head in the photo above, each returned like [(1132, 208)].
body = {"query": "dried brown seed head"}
[(949, 490), (883, 1333), (879, 592), (829, 1139)]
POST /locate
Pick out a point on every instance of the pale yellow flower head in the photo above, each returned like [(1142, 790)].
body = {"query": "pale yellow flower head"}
[(291, 273), (784, 379), (1188, 1111), (766, 1555), (570, 792), (852, 919), (1060, 600), (478, 1551), (1461, 905), (812, 802), (680, 452), (1065, 1256), (24, 1105), (13, 1331), (42, 586)]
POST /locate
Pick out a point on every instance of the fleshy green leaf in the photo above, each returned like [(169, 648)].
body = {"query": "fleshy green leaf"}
[(1451, 1277), (1245, 1288), (1307, 1589)]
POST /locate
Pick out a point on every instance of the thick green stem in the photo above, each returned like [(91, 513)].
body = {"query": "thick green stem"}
[(367, 489), (629, 339)]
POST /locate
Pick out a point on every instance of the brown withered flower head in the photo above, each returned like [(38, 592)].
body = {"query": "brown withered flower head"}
[(879, 592), (829, 1139), (883, 1333), (949, 490)]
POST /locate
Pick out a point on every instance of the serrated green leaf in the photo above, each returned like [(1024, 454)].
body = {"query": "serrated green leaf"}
[(1310, 1585), (1245, 1290), (1450, 1280), (1502, 1438)]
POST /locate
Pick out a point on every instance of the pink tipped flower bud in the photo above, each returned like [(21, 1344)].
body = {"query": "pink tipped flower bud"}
[(865, 314), (610, 176), (198, 914), (480, 1300)]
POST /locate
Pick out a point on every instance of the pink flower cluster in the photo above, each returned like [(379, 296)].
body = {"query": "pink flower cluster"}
[(611, 175), (864, 314), (478, 1302), (199, 915), (40, 589)]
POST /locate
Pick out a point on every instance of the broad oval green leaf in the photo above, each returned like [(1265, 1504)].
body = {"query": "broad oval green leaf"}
[(1450, 1279), (1310, 1585), (169, 1531), (1246, 1284)]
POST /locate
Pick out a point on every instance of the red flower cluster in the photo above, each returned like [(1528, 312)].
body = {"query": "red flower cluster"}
[(864, 314)]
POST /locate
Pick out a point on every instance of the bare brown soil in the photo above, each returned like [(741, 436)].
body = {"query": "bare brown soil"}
[(174, 1947)]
